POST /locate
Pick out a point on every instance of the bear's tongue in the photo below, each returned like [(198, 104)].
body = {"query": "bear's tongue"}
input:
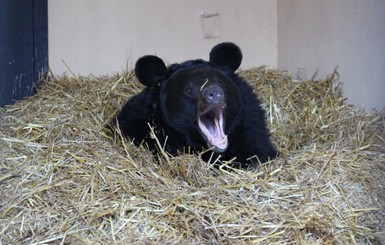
[(211, 126)]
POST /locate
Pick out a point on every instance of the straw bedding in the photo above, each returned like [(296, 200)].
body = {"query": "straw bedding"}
[(63, 180)]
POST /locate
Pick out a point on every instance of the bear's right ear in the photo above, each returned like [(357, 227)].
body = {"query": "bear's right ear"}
[(226, 55), (149, 70)]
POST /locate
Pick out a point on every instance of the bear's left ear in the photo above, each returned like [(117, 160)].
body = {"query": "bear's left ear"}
[(150, 70), (226, 55)]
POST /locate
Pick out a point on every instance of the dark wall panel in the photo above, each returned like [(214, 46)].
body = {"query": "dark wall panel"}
[(23, 47)]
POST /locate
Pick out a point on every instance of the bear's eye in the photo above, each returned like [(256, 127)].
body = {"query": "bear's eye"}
[(188, 90)]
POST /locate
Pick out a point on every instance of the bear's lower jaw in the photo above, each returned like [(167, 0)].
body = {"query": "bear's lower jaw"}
[(219, 147), (211, 126)]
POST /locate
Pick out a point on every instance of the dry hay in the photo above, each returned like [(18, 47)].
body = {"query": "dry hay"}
[(64, 181)]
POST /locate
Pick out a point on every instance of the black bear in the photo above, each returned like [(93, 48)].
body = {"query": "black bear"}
[(198, 105)]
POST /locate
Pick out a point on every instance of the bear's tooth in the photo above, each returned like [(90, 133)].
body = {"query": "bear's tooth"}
[(217, 126)]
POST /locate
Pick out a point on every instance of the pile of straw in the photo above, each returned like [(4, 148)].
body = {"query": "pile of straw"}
[(63, 180)]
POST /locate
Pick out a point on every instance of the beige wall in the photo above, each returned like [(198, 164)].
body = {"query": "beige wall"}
[(316, 36), (103, 37), (302, 36)]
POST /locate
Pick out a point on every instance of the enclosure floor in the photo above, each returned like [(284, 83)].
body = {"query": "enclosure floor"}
[(64, 180)]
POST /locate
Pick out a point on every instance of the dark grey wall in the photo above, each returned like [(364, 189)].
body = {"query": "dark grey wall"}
[(23, 47)]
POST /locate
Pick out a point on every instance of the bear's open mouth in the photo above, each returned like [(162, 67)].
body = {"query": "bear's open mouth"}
[(210, 123)]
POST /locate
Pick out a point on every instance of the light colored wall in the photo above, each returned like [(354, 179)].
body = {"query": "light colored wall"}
[(316, 36), (302, 36), (104, 37)]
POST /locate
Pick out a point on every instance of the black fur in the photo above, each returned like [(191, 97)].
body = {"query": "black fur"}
[(171, 104)]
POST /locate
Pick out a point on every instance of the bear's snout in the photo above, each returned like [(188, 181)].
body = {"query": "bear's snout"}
[(213, 95)]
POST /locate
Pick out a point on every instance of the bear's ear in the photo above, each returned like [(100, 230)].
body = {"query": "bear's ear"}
[(149, 70), (226, 55)]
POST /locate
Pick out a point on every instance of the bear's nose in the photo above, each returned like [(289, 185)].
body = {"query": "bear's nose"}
[(213, 95)]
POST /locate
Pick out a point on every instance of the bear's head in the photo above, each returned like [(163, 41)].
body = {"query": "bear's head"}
[(196, 98)]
